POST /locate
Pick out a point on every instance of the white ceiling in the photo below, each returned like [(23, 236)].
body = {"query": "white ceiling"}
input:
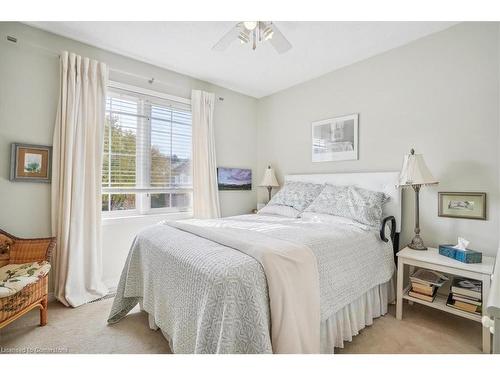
[(186, 47)]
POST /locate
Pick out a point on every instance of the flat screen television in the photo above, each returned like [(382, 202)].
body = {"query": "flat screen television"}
[(234, 178)]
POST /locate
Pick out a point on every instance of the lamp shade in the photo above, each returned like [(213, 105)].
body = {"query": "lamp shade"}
[(269, 178), (415, 171)]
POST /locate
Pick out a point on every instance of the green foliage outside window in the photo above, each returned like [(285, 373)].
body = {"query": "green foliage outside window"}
[(119, 150)]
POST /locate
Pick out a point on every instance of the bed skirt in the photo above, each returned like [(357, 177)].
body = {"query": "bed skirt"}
[(349, 321)]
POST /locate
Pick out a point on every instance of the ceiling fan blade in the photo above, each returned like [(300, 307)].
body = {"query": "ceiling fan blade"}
[(227, 39), (278, 41)]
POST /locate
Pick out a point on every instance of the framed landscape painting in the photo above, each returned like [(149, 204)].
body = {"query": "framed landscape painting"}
[(462, 205), (234, 178), (30, 163), (335, 139)]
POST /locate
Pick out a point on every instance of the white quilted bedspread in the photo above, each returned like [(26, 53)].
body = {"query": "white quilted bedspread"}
[(209, 298)]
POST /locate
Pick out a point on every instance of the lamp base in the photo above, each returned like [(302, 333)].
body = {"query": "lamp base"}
[(269, 189), (417, 243)]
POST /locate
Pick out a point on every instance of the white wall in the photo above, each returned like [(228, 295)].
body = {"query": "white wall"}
[(439, 95), (28, 100)]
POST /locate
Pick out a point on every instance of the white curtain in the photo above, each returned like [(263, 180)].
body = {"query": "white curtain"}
[(205, 191), (76, 180)]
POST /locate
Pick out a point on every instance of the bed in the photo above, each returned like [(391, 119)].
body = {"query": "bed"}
[(205, 290)]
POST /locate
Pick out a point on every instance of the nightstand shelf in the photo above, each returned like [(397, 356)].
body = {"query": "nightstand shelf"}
[(440, 304), (432, 260)]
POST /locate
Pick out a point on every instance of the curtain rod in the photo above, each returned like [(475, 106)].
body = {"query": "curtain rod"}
[(150, 80)]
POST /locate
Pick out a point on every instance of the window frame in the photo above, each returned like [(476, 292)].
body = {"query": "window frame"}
[(143, 168)]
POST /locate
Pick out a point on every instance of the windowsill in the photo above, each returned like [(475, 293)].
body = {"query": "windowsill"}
[(146, 217)]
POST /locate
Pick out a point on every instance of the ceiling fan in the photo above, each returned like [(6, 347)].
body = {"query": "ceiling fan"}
[(254, 32)]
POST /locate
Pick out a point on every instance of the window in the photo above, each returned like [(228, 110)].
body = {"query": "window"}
[(146, 154)]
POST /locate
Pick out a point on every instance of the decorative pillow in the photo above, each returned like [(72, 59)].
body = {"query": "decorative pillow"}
[(296, 194), (361, 205), (277, 209), (5, 244)]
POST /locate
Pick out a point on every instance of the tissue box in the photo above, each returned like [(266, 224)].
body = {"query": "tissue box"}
[(464, 256)]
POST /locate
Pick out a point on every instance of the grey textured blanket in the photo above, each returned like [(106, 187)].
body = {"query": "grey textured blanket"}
[(292, 279), (210, 298)]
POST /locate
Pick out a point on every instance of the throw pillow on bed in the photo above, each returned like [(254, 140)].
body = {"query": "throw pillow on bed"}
[(361, 205), (296, 194)]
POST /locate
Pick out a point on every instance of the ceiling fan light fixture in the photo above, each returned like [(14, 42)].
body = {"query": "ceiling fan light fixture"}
[(250, 25), (254, 33), (268, 33), (244, 38)]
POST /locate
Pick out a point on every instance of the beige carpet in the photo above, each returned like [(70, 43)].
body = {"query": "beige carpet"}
[(84, 330)]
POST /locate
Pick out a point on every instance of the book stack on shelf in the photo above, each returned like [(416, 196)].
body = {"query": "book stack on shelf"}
[(466, 295), (425, 283)]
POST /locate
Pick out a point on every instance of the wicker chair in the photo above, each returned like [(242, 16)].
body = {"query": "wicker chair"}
[(33, 295)]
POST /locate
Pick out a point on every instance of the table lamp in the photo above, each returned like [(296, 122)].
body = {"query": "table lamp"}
[(269, 180), (415, 174)]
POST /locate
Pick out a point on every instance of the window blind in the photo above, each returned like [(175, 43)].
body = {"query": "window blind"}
[(146, 152)]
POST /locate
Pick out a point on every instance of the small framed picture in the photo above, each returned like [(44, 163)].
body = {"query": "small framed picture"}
[(30, 163), (335, 139), (462, 205)]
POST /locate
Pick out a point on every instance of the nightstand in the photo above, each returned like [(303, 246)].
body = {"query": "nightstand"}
[(432, 260)]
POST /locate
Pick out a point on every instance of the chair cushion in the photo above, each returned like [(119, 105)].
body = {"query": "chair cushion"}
[(14, 277)]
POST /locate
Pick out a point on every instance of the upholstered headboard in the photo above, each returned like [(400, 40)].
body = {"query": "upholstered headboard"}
[(376, 181)]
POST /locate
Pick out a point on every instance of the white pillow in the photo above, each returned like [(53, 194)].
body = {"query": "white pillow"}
[(277, 209)]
